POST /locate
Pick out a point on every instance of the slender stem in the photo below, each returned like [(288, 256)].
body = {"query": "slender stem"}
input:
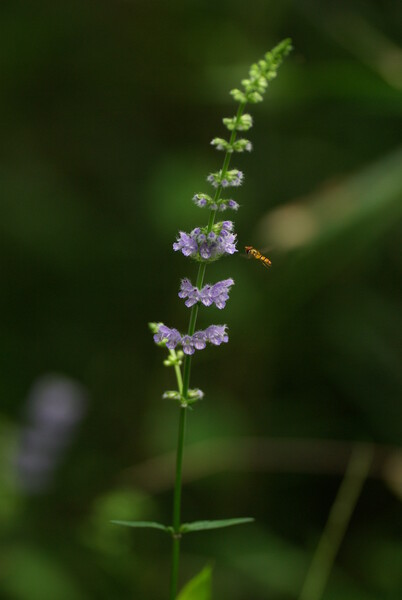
[(177, 371), (179, 461), (337, 523), (175, 567), (184, 385)]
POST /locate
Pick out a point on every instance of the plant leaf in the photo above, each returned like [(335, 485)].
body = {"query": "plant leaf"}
[(144, 525), (198, 588), (201, 525)]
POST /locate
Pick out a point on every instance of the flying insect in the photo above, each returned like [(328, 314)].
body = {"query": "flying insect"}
[(264, 260)]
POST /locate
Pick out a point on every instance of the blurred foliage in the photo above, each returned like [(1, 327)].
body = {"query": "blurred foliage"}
[(107, 110), (199, 588)]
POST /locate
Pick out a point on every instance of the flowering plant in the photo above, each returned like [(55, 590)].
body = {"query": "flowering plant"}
[(206, 245)]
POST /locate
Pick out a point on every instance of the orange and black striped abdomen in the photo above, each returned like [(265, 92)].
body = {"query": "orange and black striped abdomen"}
[(258, 256)]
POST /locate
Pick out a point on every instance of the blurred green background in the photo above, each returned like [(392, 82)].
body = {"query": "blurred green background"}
[(107, 110)]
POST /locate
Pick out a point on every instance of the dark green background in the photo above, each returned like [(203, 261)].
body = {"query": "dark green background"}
[(107, 110)]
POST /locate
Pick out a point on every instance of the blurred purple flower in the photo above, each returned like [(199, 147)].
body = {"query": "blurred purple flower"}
[(54, 408)]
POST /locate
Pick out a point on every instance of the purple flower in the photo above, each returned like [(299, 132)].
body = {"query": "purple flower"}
[(213, 179), (217, 294), (187, 290), (200, 200), (216, 334), (200, 246), (56, 404), (220, 292), (199, 340), (205, 251), (186, 243), (171, 336), (232, 204), (227, 226), (228, 245), (188, 344), (237, 179), (205, 295)]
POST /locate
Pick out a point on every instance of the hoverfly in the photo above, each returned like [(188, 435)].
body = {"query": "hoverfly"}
[(250, 251)]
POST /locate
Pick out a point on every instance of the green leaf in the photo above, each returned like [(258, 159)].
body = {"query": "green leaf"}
[(201, 525), (144, 525), (199, 588)]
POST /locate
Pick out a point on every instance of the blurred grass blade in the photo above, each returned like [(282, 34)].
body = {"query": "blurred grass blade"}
[(338, 521), (143, 525), (198, 588), (202, 525)]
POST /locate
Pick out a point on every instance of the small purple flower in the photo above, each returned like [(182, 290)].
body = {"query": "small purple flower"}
[(216, 334), (171, 336), (213, 179), (200, 200), (237, 179), (227, 225), (187, 290), (228, 245), (205, 295), (205, 251), (220, 292), (232, 204), (188, 344), (199, 340), (186, 243)]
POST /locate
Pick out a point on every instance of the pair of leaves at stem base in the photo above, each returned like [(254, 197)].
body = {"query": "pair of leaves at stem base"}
[(186, 527)]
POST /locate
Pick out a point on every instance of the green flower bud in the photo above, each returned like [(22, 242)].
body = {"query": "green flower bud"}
[(254, 97), (245, 122), (238, 95), (241, 145), (221, 144), (230, 123), (172, 395), (154, 327), (241, 124)]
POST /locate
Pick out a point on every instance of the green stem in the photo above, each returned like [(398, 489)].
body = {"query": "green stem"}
[(184, 385), (177, 371), (175, 567), (337, 523)]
